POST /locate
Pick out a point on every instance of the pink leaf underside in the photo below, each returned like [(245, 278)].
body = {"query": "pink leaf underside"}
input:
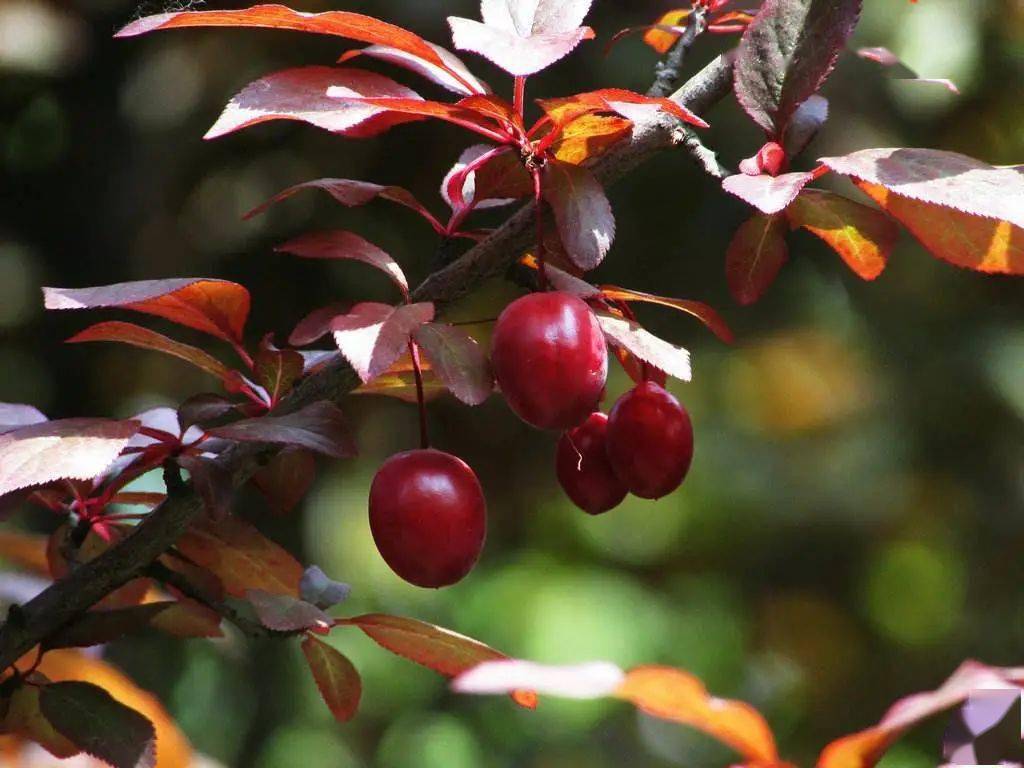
[(455, 76), (353, 26), (900, 71), (469, 155), (517, 55), (458, 360), (673, 360), (940, 178), (284, 613), (78, 449), (531, 17), (15, 415), (769, 194), (584, 216), (786, 53), (217, 307), (591, 680), (372, 336), (341, 244), (326, 97)]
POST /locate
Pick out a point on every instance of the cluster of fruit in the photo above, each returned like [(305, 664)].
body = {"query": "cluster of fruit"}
[(427, 509)]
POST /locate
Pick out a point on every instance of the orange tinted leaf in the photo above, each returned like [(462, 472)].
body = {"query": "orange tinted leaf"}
[(863, 236), (174, 751), (399, 382), (662, 40), (217, 307), (353, 26), (963, 239), (104, 626), (866, 748), (475, 119), (335, 676), (630, 105), (590, 136), (285, 480), (755, 256), (188, 619), (697, 309), (241, 557), (137, 336), (672, 694), (25, 550), (441, 650)]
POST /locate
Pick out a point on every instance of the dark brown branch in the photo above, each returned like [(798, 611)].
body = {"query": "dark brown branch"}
[(668, 70), (90, 582)]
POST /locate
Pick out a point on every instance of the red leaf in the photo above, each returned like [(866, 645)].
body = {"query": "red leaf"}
[(286, 479), (353, 26), (466, 169), (340, 244), (78, 449), (432, 647), (404, 109), (786, 54), (213, 483), (454, 76), (701, 311), (320, 96), (592, 680), (15, 415), (137, 336), (900, 70), (672, 694), (284, 613), (863, 236), (755, 256), (458, 360), (373, 336), (317, 323), (769, 194), (217, 307), (866, 748), (661, 36), (351, 193), (673, 360), (277, 370), (517, 55), (336, 678), (319, 427), (584, 216), (241, 557)]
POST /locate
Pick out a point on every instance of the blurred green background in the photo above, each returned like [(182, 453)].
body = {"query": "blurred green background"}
[(853, 524)]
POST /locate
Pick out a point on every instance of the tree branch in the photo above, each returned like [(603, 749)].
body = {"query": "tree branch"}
[(668, 70), (90, 582)]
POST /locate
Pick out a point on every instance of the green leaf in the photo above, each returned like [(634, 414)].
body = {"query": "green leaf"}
[(100, 725)]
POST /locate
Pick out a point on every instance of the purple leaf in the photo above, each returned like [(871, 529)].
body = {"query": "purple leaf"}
[(204, 409), (591, 680), (15, 415), (319, 427), (769, 194), (213, 483), (285, 480), (320, 590), (340, 244), (940, 178), (534, 17), (301, 94), (785, 55), (584, 216), (277, 370), (372, 336), (470, 155), (352, 193), (755, 256), (900, 71), (317, 323), (284, 613), (458, 360), (464, 84), (76, 449), (629, 334), (93, 720)]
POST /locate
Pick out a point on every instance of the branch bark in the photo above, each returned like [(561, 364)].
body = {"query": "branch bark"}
[(69, 597)]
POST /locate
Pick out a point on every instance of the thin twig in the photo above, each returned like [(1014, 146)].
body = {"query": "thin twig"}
[(668, 70)]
